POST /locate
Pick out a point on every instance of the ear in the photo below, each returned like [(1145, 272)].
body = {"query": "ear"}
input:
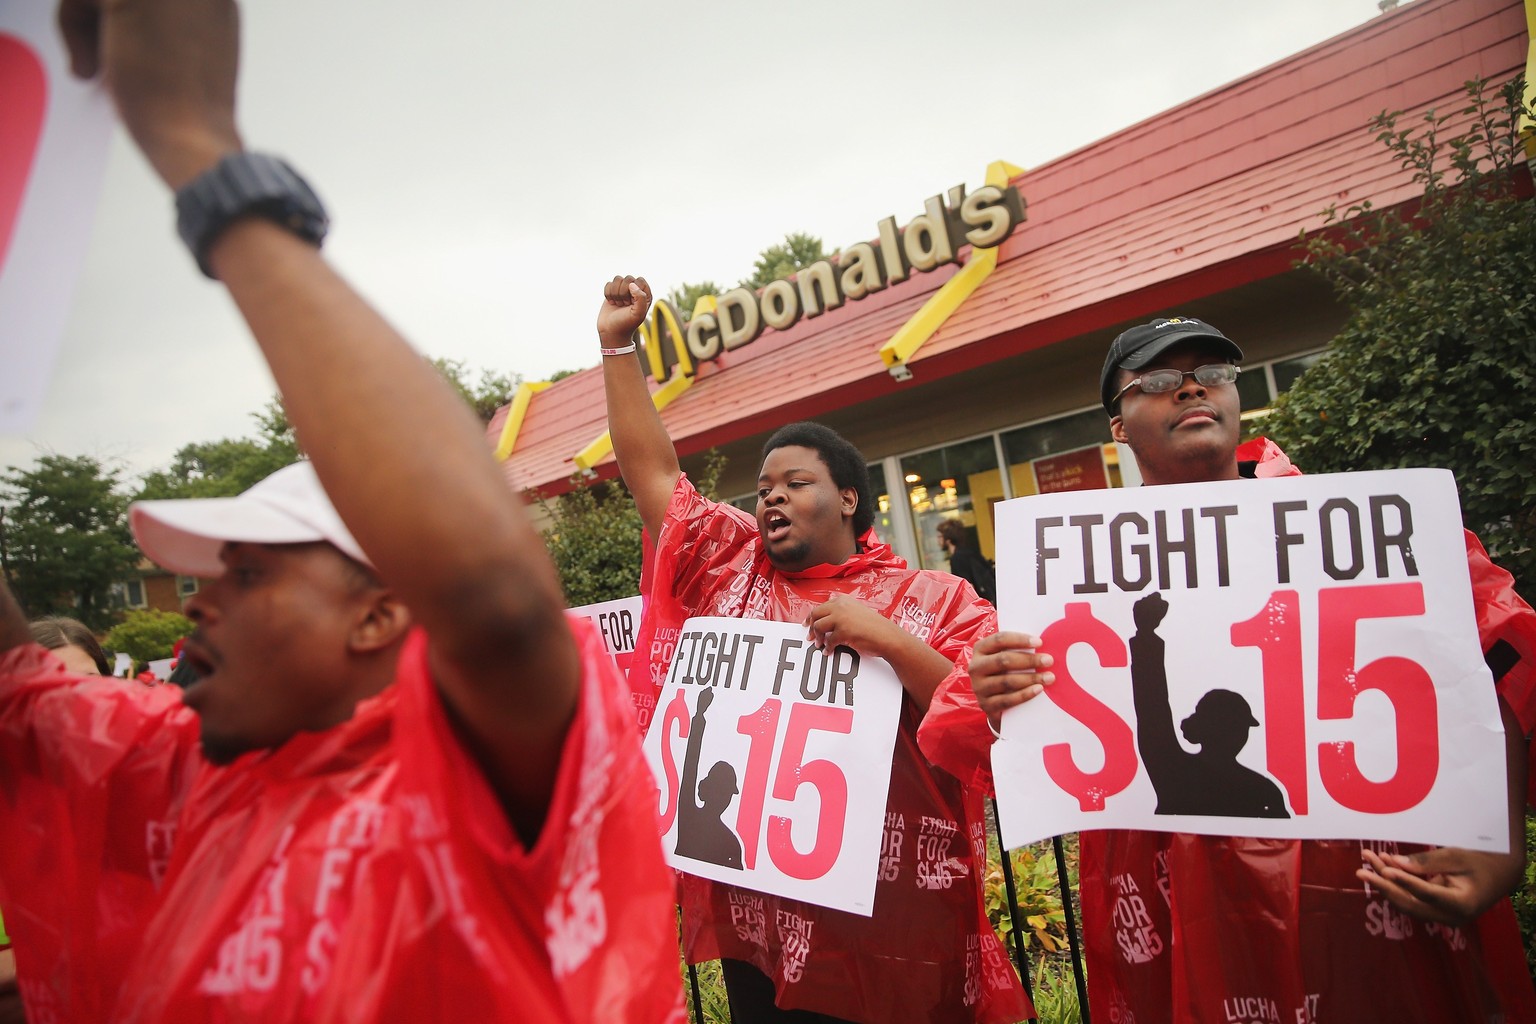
[(383, 622), (849, 499), (1117, 429)]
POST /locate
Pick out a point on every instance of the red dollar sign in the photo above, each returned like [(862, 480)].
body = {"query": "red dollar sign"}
[(676, 714), (24, 85), (1078, 626)]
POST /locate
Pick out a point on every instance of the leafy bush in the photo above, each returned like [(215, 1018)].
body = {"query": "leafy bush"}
[(594, 536), (712, 997), (147, 635), (1055, 992), (1038, 893), (595, 542), (1524, 898), (1433, 366)]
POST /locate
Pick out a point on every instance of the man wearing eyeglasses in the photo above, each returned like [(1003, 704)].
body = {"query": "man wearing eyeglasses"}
[(1182, 420), (1262, 929)]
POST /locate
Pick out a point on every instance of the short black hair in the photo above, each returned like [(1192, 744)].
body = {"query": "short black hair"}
[(844, 460)]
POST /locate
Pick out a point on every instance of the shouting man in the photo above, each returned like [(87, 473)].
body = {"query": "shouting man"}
[(928, 954), (404, 787)]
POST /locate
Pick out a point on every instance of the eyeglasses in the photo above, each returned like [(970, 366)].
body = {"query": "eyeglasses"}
[(1159, 381)]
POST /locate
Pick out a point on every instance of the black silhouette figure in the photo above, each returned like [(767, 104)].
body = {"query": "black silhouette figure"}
[(701, 834), (1210, 782)]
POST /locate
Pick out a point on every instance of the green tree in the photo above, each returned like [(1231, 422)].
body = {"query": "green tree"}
[(65, 537), (218, 469), (147, 635), (485, 394), (595, 542), (1434, 365), (684, 297), (594, 536), (215, 469), (779, 261)]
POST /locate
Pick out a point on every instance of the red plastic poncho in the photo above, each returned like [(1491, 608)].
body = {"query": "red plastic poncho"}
[(929, 952), (1232, 930), (363, 873)]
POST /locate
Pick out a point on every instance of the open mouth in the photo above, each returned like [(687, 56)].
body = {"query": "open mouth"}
[(199, 661), (775, 525)]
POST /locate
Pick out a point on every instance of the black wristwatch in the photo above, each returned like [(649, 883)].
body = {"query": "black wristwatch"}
[(246, 185)]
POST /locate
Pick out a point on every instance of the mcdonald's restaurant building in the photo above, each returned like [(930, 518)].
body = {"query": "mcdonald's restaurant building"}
[(960, 347)]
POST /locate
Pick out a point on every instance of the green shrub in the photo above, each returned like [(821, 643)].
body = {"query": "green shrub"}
[(147, 635), (1433, 366), (1055, 992), (712, 998), (594, 536), (1524, 898)]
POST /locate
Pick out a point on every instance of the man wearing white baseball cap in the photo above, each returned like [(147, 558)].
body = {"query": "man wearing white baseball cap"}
[(404, 786)]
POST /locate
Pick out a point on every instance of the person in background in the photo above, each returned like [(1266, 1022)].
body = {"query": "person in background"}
[(73, 643), (1272, 929), (965, 561)]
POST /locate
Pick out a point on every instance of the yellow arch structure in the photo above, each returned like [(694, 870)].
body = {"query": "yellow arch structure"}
[(520, 402), (912, 335)]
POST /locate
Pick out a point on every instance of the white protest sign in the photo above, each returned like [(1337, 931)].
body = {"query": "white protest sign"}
[(53, 149), (774, 761), (1288, 658), (617, 622)]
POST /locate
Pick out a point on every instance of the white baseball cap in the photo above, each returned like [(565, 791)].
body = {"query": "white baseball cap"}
[(185, 535)]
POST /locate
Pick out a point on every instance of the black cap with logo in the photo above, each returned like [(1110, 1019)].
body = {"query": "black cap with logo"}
[(1138, 346)]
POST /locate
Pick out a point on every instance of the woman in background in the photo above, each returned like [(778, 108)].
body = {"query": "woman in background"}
[(72, 642)]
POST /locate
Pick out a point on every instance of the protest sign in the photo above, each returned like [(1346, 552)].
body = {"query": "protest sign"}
[(617, 622), (1289, 658), (53, 147), (774, 761)]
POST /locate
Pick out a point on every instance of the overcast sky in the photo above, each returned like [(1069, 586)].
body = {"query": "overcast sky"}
[(488, 166)]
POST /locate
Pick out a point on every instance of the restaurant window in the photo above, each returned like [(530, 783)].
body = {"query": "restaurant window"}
[(1069, 453), (882, 498), (1253, 388), (1286, 371), (958, 481)]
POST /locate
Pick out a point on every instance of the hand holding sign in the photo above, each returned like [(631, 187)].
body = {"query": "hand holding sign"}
[(1449, 885), (783, 734), (1006, 671), (843, 620), (170, 65)]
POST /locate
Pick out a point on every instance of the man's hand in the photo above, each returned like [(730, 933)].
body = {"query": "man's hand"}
[(1006, 672), (170, 66), (847, 621), (1449, 885), (625, 303)]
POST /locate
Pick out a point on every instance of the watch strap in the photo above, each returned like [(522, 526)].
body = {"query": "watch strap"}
[(246, 185)]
